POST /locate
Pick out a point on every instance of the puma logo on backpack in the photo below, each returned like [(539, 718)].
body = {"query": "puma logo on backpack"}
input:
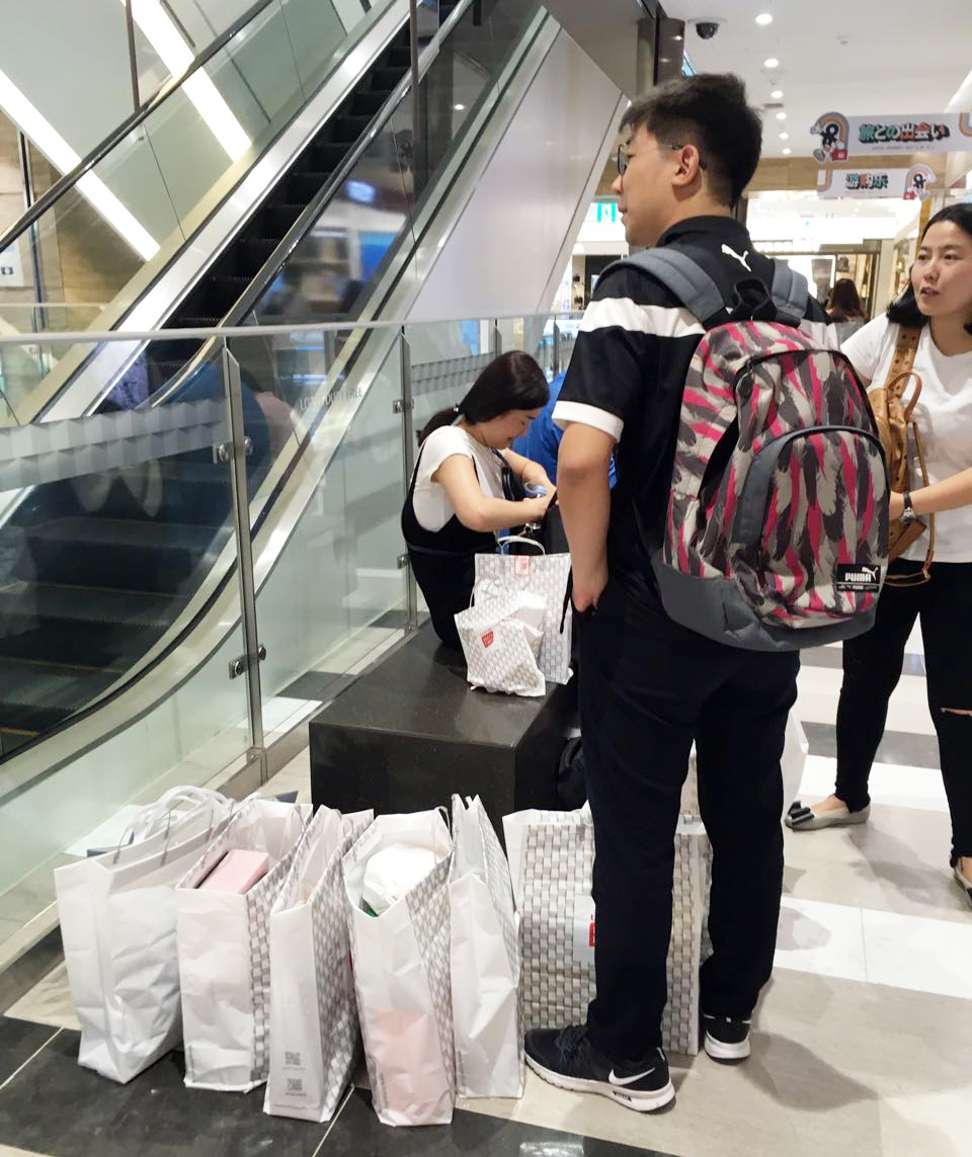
[(777, 529)]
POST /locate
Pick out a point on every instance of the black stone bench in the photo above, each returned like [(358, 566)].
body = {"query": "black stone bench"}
[(411, 732)]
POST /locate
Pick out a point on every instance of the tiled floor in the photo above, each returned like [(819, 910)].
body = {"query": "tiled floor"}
[(861, 1044)]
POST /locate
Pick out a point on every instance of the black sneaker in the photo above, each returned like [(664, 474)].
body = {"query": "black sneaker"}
[(726, 1038), (566, 1058)]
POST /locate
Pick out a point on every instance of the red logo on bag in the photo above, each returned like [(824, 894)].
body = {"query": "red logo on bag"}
[(488, 639), (522, 565), (592, 933)]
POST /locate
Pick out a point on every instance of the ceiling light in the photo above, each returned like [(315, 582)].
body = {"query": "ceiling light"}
[(172, 49), (776, 94), (771, 62), (764, 18), (781, 116), (459, 107), (784, 136), (786, 152), (62, 156)]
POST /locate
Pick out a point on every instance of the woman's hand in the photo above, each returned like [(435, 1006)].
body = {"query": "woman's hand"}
[(896, 508), (535, 509)]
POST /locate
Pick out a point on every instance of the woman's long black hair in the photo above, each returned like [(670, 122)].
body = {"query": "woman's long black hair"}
[(513, 381), (904, 311)]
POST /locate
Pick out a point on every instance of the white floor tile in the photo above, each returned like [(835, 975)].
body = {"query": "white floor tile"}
[(919, 954), (820, 688), (826, 939), (912, 787)]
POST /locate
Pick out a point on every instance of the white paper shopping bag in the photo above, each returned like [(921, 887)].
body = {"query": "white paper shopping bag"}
[(402, 977), (223, 943), (485, 959), (117, 917), (313, 1016)]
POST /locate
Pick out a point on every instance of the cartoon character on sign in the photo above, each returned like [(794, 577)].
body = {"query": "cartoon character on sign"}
[(917, 181), (834, 131)]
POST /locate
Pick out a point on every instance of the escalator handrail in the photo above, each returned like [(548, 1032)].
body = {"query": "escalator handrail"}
[(67, 182), (295, 234)]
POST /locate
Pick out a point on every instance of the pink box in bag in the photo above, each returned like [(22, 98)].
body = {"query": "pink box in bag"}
[(237, 872)]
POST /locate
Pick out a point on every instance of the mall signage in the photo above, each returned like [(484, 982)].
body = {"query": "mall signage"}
[(907, 184), (842, 137)]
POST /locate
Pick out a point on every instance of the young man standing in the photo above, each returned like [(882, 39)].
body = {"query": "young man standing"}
[(649, 686)]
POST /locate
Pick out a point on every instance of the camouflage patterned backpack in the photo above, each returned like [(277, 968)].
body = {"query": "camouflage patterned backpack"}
[(777, 529)]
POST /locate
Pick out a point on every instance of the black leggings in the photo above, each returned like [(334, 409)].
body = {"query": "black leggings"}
[(872, 668)]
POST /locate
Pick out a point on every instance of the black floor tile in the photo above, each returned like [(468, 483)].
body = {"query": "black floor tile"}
[(897, 747), (358, 1133), (54, 1106), (19, 1040), (321, 685)]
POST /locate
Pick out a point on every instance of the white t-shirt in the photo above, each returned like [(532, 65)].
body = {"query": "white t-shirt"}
[(944, 417), (433, 508)]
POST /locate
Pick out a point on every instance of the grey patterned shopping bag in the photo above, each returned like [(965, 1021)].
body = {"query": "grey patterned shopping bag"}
[(402, 978), (545, 575), (223, 945), (313, 1016), (552, 858)]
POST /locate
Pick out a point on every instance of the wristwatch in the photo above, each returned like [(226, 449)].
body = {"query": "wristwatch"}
[(908, 516)]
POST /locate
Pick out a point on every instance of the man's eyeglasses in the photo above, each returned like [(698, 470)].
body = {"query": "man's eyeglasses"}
[(622, 158)]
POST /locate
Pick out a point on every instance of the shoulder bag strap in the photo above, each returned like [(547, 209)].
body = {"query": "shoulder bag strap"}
[(791, 294)]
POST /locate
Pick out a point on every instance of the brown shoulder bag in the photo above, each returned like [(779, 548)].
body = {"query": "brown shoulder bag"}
[(896, 425)]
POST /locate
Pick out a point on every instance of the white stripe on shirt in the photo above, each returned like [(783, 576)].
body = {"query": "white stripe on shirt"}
[(657, 320), (567, 412)]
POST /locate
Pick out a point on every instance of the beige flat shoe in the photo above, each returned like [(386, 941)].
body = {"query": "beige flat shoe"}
[(801, 818)]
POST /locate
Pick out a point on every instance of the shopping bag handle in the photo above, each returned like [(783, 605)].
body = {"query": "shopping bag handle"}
[(504, 541)]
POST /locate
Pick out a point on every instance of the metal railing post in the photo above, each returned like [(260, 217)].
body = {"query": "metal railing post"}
[(249, 662), (132, 61), (407, 408), (496, 345), (556, 349)]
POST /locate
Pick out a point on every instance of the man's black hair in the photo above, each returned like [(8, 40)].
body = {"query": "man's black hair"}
[(709, 111)]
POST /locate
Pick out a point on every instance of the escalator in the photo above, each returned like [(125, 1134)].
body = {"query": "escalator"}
[(96, 569)]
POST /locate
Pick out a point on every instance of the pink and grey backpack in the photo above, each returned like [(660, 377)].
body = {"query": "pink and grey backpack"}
[(777, 530)]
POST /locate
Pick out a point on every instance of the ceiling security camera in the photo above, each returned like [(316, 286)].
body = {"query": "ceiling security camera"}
[(706, 29)]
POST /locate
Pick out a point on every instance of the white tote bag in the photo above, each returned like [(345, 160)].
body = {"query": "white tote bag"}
[(485, 959), (402, 978), (545, 575), (117, 916), (223, 942), (551, 861), (313, 1016)]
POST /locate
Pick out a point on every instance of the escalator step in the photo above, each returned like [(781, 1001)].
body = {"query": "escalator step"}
[(368, 103), (327, 156), (181, 322), (223, 292), (305, 186), (275, 218), (253, 253), (36, 696), (385, 79), (348, 128), (159, 558), (82, 626)]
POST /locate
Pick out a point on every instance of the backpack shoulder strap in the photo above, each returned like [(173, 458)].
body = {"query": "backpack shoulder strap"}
[(684, 277), (790, 293)]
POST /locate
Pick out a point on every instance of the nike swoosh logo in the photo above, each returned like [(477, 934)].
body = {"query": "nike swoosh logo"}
[(620, 1082)]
